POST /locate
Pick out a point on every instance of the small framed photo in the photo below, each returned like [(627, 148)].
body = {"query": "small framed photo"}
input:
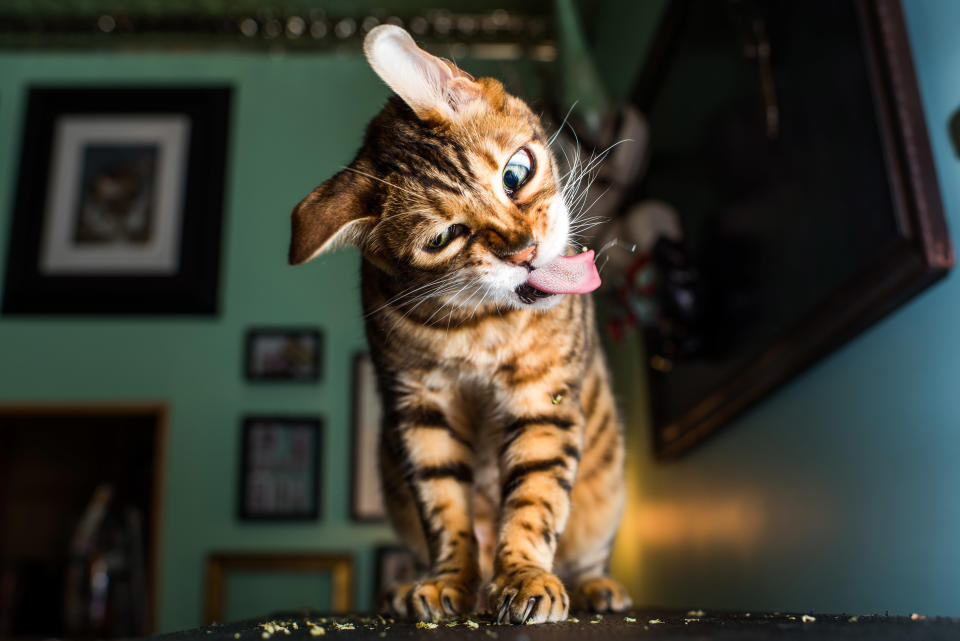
[(292, 355), (366, 499), (119, 202), (395, 564), (279, 473)]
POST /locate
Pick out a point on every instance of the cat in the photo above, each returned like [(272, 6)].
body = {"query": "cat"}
[(501, 448)]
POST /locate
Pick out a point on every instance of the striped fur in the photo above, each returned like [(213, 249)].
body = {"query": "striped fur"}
[(502, 451)]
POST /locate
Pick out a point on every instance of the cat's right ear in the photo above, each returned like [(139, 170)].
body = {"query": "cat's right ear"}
[(431, 86), (332, 215)]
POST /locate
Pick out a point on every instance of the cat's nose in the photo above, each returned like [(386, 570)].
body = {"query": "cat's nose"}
[(523, 257)]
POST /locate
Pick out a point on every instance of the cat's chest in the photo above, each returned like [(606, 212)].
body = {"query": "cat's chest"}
[(482, 353), (486, 349)]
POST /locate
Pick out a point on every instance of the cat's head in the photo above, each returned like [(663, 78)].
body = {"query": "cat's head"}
[(455, 190)]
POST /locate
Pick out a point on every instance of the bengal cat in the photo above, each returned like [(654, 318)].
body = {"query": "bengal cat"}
[(501, 451)]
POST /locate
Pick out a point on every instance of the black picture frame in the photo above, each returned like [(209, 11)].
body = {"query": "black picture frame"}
[(190, 285), (281, 480), (366, 502), (261, 341), (913, 255)]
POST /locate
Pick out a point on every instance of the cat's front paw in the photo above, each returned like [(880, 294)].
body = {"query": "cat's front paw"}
[(430, 599), (601, 594), (529, 596)]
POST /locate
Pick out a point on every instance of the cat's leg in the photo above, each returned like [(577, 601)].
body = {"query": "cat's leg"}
[(403, 516), (584, 566), (432, 462), (538, 461), (596, 505)]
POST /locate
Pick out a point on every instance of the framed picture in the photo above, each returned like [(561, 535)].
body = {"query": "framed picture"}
[(244, 585), (284, 355), (279, 474), (791, 140), (366, 500), (395, 564), (119, 202)]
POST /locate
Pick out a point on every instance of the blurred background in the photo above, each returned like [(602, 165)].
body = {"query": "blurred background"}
[(186, 422)]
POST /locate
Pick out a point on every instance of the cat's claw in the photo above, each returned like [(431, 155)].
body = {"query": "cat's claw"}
[(531, 606), (504, 606), (448, 606), (532, 596), (601, 594), (429, 600)]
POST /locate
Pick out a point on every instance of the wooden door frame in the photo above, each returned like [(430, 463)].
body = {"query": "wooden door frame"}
[(160, 413)]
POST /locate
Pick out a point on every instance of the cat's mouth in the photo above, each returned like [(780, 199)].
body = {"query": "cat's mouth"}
[(528, 294), (575, 274)]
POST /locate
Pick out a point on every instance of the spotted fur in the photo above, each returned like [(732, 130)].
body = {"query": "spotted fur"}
[(502, 451)]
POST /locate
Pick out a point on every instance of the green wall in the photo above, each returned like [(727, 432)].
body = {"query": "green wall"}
[(295, 121)]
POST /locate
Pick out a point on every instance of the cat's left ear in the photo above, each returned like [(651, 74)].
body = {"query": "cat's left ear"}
[(431, 86), (332, 215)]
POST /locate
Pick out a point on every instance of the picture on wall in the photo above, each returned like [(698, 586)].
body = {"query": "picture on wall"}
[(366, 498), (279, 474), (114, 196), (119, 202), (292, 355)]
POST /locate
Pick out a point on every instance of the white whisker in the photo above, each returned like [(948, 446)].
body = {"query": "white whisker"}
[(605, 261), (564, 122), (385, 182), (439, 282)]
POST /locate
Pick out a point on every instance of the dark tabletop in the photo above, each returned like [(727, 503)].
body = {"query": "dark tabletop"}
[(639, 624)]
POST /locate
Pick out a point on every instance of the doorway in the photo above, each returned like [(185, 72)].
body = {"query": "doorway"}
[(80, 497)]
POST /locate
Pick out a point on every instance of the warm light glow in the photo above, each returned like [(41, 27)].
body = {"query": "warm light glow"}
[(698, 523)]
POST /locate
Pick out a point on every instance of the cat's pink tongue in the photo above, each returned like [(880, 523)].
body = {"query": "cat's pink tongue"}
[(567, 275)]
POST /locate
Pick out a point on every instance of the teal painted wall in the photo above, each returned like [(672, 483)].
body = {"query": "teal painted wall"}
[(254, 595), (840, 491), (296, 120)]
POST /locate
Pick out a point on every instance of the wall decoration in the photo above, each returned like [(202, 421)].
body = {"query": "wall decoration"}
[(365, 496), (277, 571), (279, 474), (394, 564), (790, 140), (119, 199), (292, 355)]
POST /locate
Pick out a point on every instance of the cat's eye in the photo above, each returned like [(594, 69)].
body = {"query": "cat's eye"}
[(518, 171), (443, 239)]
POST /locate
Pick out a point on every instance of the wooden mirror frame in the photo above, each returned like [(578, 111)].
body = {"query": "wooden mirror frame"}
[(922, 255)]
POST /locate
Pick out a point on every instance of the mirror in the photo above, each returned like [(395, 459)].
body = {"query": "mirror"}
[(790, 139)]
